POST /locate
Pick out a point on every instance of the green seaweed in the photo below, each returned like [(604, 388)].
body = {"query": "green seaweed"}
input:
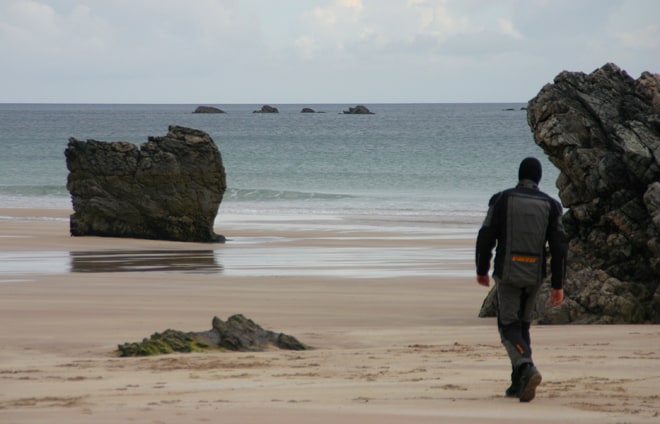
[(168, 341)]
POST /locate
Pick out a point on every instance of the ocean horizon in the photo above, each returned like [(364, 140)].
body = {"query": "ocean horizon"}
[(417, 160)]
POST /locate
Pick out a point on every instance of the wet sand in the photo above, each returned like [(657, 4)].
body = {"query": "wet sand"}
[(389, 307)]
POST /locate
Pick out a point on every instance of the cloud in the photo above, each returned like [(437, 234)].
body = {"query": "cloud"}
[(507, 28), (127, 38), (435, 28), (338, 12), (644, 35), (152, 50), (437, 20), (306, 47), (643, 38)]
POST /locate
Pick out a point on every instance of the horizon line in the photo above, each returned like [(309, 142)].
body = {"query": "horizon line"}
[(258, 103)]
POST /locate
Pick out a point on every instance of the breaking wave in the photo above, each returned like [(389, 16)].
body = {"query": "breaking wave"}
[(264, 195)]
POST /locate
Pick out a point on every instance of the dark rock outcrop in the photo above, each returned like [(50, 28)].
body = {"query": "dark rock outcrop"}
[(168, 189), (602, 131), (236, 334), (208, 109), (358, 110), (267, 109)]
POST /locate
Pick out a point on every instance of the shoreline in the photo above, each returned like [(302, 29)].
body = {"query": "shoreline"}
[(400, 342)]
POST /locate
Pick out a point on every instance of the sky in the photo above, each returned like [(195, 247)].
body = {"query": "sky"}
[(313, 51)]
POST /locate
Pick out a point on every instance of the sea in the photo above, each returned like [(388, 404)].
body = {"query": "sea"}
[(406, 161)]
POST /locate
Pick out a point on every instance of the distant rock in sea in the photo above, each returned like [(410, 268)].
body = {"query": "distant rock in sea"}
[(307, 110), (267, 109), (358, 110), (208, 109), (169, 188), (602, 131)]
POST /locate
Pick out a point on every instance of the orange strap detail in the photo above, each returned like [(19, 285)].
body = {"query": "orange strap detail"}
[(525, 259)]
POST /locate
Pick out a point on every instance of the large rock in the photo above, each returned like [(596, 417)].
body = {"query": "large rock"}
[(602, 131), (169, 188)]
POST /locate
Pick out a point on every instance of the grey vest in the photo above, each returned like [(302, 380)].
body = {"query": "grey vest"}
[(527, 222)]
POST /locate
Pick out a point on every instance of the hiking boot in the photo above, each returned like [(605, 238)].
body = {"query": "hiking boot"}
[(514, 388), (530, 378)]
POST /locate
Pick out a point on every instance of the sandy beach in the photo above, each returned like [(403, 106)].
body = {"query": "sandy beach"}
[(389, 309)]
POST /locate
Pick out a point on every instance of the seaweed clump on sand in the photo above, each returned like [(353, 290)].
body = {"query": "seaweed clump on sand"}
[(236, 334), (169, 341)]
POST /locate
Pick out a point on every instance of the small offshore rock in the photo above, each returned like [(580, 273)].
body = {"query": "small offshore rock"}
[(267, 109), (208, 109), (358, 110)]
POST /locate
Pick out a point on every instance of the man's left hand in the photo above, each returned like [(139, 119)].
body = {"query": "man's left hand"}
[(483, 280), (556, 297)]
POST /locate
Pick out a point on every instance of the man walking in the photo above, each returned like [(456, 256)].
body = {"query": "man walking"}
[(519, 224)]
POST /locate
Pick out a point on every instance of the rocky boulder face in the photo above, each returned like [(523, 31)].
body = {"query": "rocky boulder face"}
[(602, 131), (169, 188)]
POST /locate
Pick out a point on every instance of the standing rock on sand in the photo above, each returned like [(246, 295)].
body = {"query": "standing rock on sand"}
[(602, 131), (168, 189)]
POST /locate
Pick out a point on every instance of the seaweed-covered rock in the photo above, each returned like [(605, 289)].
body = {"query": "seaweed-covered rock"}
[(168, 341), (238, 333)]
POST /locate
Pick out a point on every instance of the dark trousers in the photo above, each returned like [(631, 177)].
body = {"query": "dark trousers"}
[(515, 306)]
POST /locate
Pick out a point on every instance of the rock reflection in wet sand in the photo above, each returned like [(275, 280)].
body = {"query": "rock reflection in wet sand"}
[(188, 261)]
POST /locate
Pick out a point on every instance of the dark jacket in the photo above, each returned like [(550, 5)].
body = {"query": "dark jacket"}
[(520, 222)]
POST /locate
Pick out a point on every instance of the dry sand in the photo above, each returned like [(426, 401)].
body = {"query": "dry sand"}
[(396, 339)]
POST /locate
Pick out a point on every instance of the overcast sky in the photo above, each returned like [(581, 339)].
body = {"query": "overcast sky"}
[(313, 51)]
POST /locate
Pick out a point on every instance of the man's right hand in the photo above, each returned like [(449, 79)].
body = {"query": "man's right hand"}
[(557, 297)]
